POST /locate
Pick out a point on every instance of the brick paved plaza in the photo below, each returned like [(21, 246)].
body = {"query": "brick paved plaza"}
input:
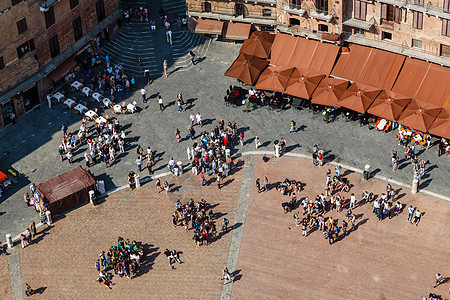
[(387, 259), (266, 252)]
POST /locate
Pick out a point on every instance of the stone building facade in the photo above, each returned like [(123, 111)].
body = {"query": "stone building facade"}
[(38, 36), (414, 28)]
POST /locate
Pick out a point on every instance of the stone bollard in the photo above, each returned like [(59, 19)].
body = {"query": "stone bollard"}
[(180, 167), (415, 186), (48, 214), (277, 150), (92, 197), (136, 180), (366, 173), (9, 241)]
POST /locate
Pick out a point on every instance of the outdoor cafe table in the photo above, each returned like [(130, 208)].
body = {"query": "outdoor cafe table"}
[(69, 103), (118, 108), (77, 85), (80, 108), (86, 91), (131, 107), (100, 120), (107, 102), (58, 96), (90, 114), (382, 123), (96, 96), (234, 94)]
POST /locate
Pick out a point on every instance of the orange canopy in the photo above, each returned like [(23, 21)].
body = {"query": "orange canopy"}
[(441, 125), (359, 97), (424, 81), (370, 66), (389, 105), (301, 85), (329, 92), (274, 79), (246, 68), (259, 44), (207, 26), (238, 31), (418, 117), (304, 54)]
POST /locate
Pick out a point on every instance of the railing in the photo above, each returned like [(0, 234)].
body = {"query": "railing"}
[(290, 6), (226, 10), (387, 24), (427, 8), (310, 8)]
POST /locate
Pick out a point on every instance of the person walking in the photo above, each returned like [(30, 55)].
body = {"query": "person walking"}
[(258, 185), (161, 104), (133, 83), (438, 280), (266, 182), (198, 117), (139, 163), (219, 178), (144, 95), (169, 36), (293, 127), (177, 135), (165, 67), (257, 142), (28, 290), (226, 275), (191, 132), (192, 57), (33, 228), (147, 75)]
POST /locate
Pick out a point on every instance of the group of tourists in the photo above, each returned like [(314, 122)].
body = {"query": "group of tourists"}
[(124, 258), (196, 216), (107, 141)]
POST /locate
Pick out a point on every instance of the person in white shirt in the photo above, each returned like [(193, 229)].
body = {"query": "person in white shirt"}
[(352, 201), (198, 116)]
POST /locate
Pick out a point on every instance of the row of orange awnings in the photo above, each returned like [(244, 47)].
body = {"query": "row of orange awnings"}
[(233, 31), (391, 86)]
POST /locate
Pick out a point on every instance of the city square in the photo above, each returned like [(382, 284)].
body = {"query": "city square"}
[(265, 252)]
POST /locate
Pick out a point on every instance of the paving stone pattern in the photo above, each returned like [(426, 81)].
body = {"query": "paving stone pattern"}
[(389, 259), (72, 245), (32, 143)]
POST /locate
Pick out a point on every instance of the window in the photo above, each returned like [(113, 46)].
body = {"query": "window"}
[(386, 35), (77, 28), (206, 7), (358, 31), (49, 17), (445, 27), (416, 43), (322, 5), (360, 10), (2, 63), (390, 13), (418, 2), (100, 8), (54, 46), (296, 4), (22, 25), (447, 5), (14, 2), (445, 50), (294, 21), (25, 48), (266, 12), (417, 20), (323, 27), (73, 4)]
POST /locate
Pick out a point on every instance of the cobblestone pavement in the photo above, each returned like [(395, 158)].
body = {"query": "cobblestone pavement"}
[(62, 257), (5, 282), (32, 143), (389, 259)]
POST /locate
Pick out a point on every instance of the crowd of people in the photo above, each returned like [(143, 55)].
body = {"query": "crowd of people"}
[(124, 259), (196, 216), (105, 142)]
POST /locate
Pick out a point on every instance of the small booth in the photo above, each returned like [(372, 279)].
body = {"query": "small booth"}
[(67, 190)]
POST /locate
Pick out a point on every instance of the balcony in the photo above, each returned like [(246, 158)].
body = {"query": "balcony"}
[(386, 24), (322, 15), (308, 33), (375, 41), (357, 23), (294, 8), (230, 14), (398, 3)]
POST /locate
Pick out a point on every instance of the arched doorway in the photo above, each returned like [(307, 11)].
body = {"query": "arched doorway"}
[(240, 10), (206, 7)]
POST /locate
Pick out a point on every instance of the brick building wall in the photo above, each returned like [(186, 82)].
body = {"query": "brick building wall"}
[(32, 33)]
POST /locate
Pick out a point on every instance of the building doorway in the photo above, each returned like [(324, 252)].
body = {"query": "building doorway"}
[(8, 112), (30, 98), (240, 10), (206, 7)]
